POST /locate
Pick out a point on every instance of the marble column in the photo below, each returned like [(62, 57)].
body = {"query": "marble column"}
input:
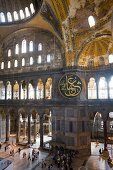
[(24, 127), (50, 126), (35, 130), (41, 130), (29, 129), (18, 129), (105, 134), (7, 127)]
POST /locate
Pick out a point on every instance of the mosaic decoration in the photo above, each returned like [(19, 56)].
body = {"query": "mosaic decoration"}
[(70, 85)]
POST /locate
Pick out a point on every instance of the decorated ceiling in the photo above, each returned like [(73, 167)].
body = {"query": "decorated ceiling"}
[(68, 20)]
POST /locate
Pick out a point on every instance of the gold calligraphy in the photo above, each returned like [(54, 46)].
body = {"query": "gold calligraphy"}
[(70, 85)]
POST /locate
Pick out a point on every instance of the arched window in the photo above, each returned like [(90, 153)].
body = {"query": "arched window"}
[(9, 52), (48, 58), (24, 47), (40, 47), (17, 49), (91, 21), (15, 15), (48, 89), (31, 46), (22, 16), (16, 63), (9, 17), (92, 89), (31, 60), (23, 90), (2, 65), (2, 17), (9, 64), (111, 58), (9, 90), (23, 61), (111, 88), (39, 59), (16, 91), (102, 88), (32, 8), (2, 91), (27, 12), (40, 90), (31, 91)]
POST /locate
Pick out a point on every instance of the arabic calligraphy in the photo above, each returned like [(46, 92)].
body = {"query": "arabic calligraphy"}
[(70, 85)]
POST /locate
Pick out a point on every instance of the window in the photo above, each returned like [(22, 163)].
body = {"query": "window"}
[(31, 46), (39, 59), (23, 62), (32, 8), (102, 88), (15, 15), (17, 49), (15, 63), (111, 58), (27, 12), (40, 47), (9, 90), (9, 52), (9, 64), (2, 65), (92, 89), (9, 17), (48, 58), (111, 88), (2, 17), (22, 16), (91, 21), (2, 91), (24, 46), (31, 60)]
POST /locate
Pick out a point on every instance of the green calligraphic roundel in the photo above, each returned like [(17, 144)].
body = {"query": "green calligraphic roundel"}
[(70, 85)]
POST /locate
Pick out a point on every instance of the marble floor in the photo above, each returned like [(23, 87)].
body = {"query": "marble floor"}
[(93, 162)]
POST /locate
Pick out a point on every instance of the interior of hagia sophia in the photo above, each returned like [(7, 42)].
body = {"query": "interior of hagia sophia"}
[(56, 79)]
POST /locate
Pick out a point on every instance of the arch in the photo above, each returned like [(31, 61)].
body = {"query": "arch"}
[(40, 90), (15, 14), (27, 12), (92, 89), (102, 88), (111, 88), (48, 58), (9, 90), (16, 90), (17, 49), (2, 17), (9, 17), (9, 52), (31, 46), (2, 91), (48, 89), (31, 91), (24, 46), (22, 15), (9, 64), (32, 8), (110, 58), (23, 61)]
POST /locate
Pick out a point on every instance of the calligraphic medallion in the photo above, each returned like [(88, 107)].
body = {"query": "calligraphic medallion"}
[(70, 85)]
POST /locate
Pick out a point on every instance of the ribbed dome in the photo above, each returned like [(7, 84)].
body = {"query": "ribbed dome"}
[(12, 11)]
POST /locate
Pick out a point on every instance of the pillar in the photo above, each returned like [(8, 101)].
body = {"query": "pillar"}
[(29, 129), (12, 92), (35, 130), (105, 134), (7, 127), (17, 128), (24, 127), (41, 130), (50, 126), (19, 91)]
